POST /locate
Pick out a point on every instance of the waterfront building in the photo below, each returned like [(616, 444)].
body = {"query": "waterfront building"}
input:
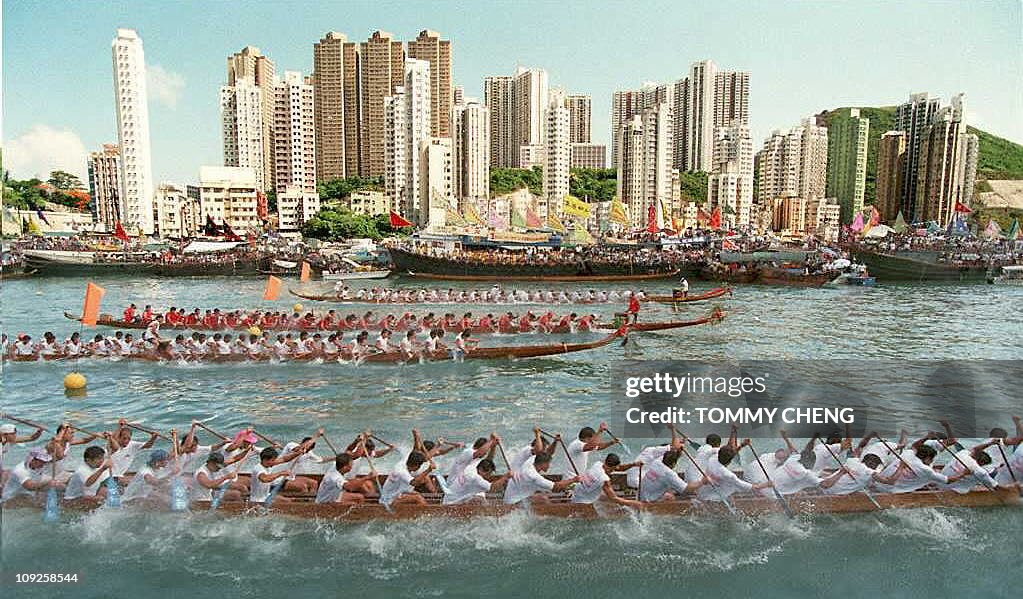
[(848, 135), (589, 156), (946, 165), (382, 71), (704, 101), (499, 98), (251, 64), (437, 52), (530, 104), (407, 127), (294, 135), (175, 214), (295, 207), (891, 154), (227, 194), (531, 155), (436, 190), (557, 159), (336, 106), (132, 104), (914, 118), (628, 103), (794, 163), (644, 169), (104, 169)]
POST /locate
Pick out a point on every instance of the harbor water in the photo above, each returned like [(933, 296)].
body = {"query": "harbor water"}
[(124, 553)]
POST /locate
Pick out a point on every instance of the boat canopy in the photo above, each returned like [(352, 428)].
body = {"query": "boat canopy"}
[(200, 247)]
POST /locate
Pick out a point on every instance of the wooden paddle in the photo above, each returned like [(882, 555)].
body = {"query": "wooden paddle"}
[(330, 445), (52, 513), (179, 496), (724, 498), (1009, 467), (211, 431), (150, 431), (265, 438), (777, 494), (219, 492), (6, 416)]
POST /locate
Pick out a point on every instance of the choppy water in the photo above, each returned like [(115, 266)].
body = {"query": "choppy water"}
[(917, 553)]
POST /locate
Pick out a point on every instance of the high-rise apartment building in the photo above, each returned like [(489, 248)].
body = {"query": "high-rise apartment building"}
[(130, 97), (435, 181), (531, 100), (644, 168), (891, 154), (947, 165), (471, 155), (431, 48), (406, 129), (711, 99), (499, 98), (848, 136), (589, 156), (580, 110), (629, 103), (914, 118), (241, 118), (730, 184), (105, 188), (382, 70), (329, 101), (252, 64), (227, 194), (294, 135), (557, 154), (794, 163)]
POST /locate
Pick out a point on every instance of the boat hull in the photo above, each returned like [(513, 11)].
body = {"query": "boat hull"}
[(917, 266)]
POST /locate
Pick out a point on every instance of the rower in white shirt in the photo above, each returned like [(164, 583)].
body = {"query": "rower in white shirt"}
[(399, 488), (578, 451), (473, 483), (595, 482), (822, 459), (661, 482), (339, 485), (529, 483), (123, 449), (913, 470), (31, 476), (151, 480), (976, 463), (87, 479), (725, 482), (266, 474), (704, 453), (213, 476)]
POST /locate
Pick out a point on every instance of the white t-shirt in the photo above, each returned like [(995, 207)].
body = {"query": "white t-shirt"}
[(465, 486), (1003, 476), (76, 486), (201, 493), (966, 484), (822, 460), (918, 475), (726, 481), (190, 462), (647, 455), (399, 481), (122, 459), (658, 479), (591, 486), (702, 456), (580, 458), (526, 481), (306, 463), (791, 477), (21, 474), (331, 487), (862, 476), (259, 490), (139, 488)]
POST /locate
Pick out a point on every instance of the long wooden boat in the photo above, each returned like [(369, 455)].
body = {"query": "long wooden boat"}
[(9, 274), (699, 297), (793, 277), (918, 266), (547, 278), (806, 504), (108, 320)]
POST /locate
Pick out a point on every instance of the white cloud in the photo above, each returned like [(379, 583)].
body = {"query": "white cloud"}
[(43, 149), (164, 86)]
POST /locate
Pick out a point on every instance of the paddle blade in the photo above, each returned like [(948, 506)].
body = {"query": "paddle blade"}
[(52, 513), (179, 496), (113, 493)]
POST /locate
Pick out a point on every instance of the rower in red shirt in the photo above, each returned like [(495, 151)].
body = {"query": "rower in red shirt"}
[(327, 322), (504, 323), (486, 323), (129, 313), (193, 319), (588, 322), (349, 323), (231, 320), (633, 306), (466, 323), (208, 320), (566, 324), (526, 322), (171, 316), (147, 314), (545, 321)]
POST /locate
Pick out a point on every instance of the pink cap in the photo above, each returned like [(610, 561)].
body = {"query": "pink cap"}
[(245, 435)]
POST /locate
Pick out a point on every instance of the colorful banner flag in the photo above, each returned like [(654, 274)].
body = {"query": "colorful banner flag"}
[(90, 309), (398, 221), (518, 220), (273, 289), (471, 215), (702, 217), (961, 208), (453, 218), (875, 217), (573, 206), (1013, 233), (618, 213), (306, 272), (993, 229), (900, 224), (580, 236), (715, 219), (857, 224), (532, 220), (651, 220), (554, 224), (494, 221), (120, 233)]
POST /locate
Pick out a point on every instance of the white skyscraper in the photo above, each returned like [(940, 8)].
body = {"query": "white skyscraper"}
[(133, 131), (471, 131), (627, 104), (406, 127), (794, 163), (294, 151), (557, 154), (435, 182), (531, 99), (241, 115), (644, 166), (731, 182)]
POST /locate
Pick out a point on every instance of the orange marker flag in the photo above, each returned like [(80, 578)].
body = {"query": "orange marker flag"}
[(306, 272), (273, 289), (90, 311)]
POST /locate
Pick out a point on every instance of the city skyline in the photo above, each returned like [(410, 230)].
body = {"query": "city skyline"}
[(57, 111)]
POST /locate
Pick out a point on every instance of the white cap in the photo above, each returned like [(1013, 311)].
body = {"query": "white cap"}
[(7, 429)]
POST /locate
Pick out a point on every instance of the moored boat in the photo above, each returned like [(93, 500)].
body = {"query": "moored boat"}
[(793, 277), (918, 266), (1009, 275), (690, 298)]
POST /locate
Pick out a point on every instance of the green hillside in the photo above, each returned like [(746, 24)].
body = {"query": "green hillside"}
[(999, 158)]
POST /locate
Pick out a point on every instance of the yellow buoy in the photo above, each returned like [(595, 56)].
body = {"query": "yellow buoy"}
[(297, 307), (255, 331), (74, 381)]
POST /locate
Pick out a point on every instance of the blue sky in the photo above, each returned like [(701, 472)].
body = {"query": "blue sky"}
[(803, 57)]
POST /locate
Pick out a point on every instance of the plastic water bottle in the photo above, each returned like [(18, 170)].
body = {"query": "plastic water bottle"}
[(113, 492), (179, 496)]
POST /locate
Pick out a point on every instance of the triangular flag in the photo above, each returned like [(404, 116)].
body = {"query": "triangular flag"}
[(532, 220), (90, 310), (993, 229), (398, 221), (702, 217), (452, 217), (875, 216), (120, 233), (472, 215), (518, 220), (554, 224), (580, 236), (651, 220), (273, 289), (961, 208), (618, 213), (900, 224), (857, 224), (715, 219), (306, 272)]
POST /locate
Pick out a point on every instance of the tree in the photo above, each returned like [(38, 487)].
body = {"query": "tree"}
[(340, 189), (64, 181), (594, 184), (336, 223), (508, 180), (694, 186)]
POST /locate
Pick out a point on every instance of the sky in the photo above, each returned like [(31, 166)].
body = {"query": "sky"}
[(803, 56)]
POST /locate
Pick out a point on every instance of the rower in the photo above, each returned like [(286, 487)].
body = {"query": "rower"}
[(704, 453), (482, 447), (725, 482), (529, 483), (123, 450), (263, 474), (595, 483), (206, 479), (129, 313), (87, 480), (306, 461), (660, 480), (463, 345), (334, 488), (8, 438), (682, 291), (401, 482), (586, 441), (633, 308), (473, 483), (30, 476), (835, 445), (410, 347), (914, 470), (785, 467), (857, 472), (191, 455), (151, 480), (974, 462)]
